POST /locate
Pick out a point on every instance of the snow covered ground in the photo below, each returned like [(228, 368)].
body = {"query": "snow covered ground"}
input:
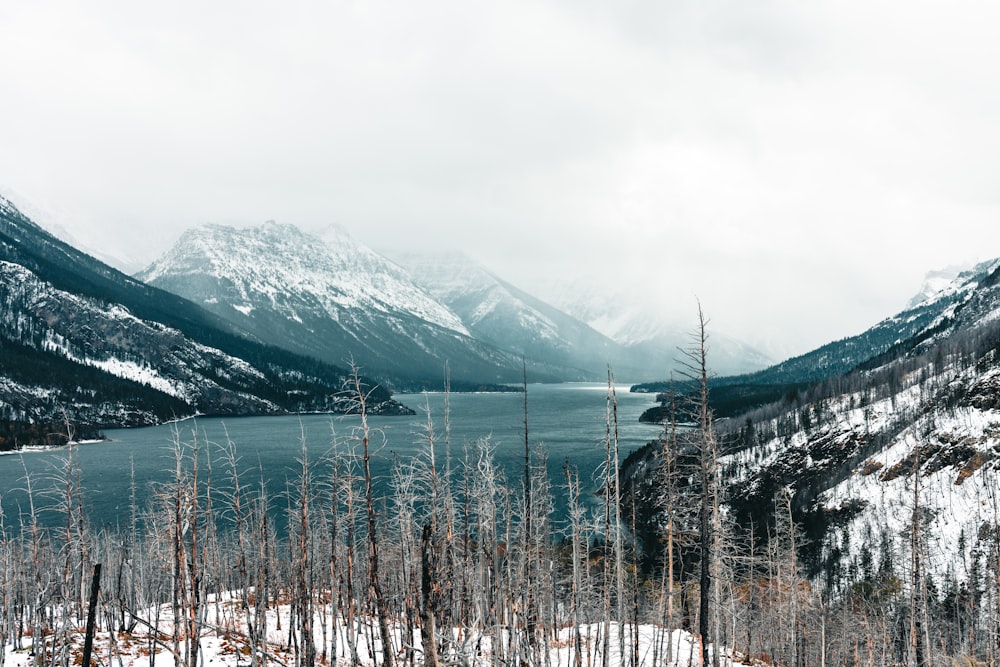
[(223, 643)]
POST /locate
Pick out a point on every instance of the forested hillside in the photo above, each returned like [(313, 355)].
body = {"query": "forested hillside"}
[(83, 346), (962, 303), (877, 487)]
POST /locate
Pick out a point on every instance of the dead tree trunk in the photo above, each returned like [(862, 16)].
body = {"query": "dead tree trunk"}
[(374, 583), (428, 596)]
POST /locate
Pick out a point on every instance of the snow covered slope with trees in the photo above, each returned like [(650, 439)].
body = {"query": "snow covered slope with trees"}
[(501, 314), (890, 472), (956, 305), (83, 343)]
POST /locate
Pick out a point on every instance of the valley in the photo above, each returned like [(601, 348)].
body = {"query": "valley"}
[(851, 485)]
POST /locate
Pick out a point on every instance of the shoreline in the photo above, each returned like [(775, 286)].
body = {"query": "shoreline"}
[(29, 449)]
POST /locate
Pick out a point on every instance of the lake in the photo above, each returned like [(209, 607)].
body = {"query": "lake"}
[(566, 420)]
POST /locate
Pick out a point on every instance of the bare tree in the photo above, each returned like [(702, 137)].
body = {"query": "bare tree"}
[(695, 370), (360, 394), (302, 562), (578, 546), (918, 582), (669, 499)]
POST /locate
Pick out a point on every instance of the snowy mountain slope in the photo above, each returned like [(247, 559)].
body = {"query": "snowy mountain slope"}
[(959, 304), (91, 333), (942, 309), (935, 282), (849, 459), (971, 299), (80, 340), (280, 268), (849, 448), (499, 313), (331, 298)]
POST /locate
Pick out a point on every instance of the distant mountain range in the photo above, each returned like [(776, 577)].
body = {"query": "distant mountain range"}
[(332, 298)]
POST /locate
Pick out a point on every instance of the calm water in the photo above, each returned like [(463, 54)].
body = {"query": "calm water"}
[(567, 421)]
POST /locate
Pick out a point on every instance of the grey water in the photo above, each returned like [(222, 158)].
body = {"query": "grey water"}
[(568, 422)]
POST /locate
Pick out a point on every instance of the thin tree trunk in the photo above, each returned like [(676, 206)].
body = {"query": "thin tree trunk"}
[(428, 596), (917, 584), (375, 585)]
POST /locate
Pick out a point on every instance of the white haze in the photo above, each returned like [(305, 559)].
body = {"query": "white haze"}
[(797, 166)]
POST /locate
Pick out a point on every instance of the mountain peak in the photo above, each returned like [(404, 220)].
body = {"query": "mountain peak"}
[(7, 206), (950, 280), (255, 264), (334, 234), (934, 283)]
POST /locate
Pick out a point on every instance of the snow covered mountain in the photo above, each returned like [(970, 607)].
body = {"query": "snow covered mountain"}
[(971, 299), (82, 341), (923, 410), (939, 311), (499, 313), (639, 346), (934, 282), (292, 274), (331, 298)]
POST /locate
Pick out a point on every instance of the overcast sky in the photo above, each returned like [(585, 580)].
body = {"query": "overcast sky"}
[(798, 165)]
